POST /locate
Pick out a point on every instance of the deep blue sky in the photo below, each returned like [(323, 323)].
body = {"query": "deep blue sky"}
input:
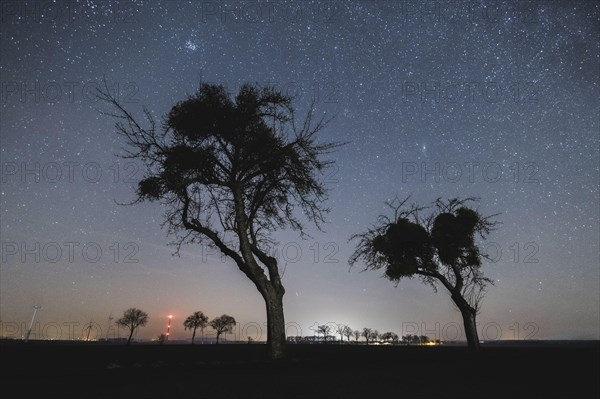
[(495, 99)]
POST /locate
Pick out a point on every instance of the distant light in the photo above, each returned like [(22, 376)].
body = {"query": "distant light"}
[(170, 316)]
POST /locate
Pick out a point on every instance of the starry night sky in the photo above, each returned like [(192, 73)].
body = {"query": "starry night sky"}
[(497, 100)]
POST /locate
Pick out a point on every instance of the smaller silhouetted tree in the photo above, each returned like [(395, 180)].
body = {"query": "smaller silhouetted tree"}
[(411, 339), (356, 334), (347, 331), (325, 330), (222, 324), (132, 319), (389, 337), (367, 333), (374, 336), (440, 244), (340, 330), (194, 321)]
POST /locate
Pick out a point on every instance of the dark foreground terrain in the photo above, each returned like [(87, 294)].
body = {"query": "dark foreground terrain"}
[(44, 370)]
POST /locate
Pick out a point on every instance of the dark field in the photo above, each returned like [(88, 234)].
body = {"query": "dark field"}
[(54, 370)]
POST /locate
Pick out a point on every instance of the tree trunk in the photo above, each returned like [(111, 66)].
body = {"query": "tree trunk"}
[(468, 315), (276, 345), (130, 335), (193, 336), (218, 334), (270, 288)]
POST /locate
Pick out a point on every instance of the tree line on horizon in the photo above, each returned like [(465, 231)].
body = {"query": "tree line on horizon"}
[(323, 335), (232, 170), (133, 318)]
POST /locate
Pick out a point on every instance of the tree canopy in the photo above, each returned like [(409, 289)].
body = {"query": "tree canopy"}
[(132, 319), (194, 321), (230, 171), (437, 243), (222, 324)]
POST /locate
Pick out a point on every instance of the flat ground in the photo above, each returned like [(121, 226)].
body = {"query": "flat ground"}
[(49, 370)]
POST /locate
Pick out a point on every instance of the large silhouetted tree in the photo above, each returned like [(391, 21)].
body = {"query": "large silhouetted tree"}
[(222, 324), (132, 319), (194, 321), (437, 244), (231, 171)]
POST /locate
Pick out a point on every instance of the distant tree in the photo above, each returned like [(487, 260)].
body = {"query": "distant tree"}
[(132, 319), (194, 321), (406, 339), (339, 328), (231, 171), (411, 339), (389, 337), (367, 333), (438, 247), (423, 339), (161, 338), (347, 331), (222, 324), (374, 336), (325, 330), (356, 334)]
